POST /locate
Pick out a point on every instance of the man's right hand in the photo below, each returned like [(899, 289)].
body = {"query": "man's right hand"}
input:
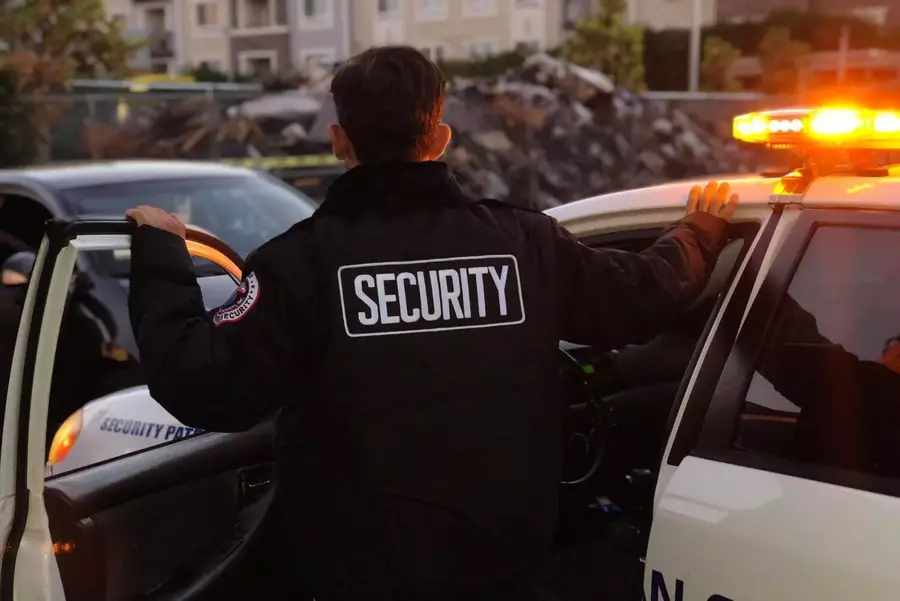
[(713, 199)]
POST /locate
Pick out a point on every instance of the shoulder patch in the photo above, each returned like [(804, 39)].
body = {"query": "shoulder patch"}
[(240, 302)]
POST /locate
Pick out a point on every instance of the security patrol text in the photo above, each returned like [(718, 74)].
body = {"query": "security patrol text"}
[(133, 427), (659, 591), (429, 296)]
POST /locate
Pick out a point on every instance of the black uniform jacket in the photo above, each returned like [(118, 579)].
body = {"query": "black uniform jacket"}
[(407, 337)]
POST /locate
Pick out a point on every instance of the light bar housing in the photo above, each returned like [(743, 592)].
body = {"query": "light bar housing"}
[(845, 127)]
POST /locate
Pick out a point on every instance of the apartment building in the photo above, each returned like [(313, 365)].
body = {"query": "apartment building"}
[(880, 12), (653, 14), (276, 35), (670, 14), (454, 29), (238, 36)]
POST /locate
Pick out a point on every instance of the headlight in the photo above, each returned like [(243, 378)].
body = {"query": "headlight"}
[(65, 438)]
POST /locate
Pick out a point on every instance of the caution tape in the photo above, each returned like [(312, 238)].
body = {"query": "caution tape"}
[(310, 160)]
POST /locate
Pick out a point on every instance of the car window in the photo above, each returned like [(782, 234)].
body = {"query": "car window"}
[(640, 382), (827, 384), (244, 211), (99, 406)]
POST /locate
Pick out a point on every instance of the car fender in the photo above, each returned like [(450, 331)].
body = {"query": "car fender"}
[(123, 422)]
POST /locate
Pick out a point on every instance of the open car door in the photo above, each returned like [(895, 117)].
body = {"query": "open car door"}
[(176, 521)]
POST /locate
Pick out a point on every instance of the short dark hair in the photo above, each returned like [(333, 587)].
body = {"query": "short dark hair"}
[(389, 101)]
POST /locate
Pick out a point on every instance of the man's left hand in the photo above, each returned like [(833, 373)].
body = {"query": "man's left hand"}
[(155, 217)]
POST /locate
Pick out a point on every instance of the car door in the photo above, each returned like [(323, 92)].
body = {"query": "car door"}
[(185, 520), (782, 479)]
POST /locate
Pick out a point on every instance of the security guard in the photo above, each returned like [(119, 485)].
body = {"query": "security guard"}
[(408, 336)]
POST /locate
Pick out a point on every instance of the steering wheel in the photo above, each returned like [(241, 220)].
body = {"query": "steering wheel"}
[(586, 423), (206, 245)]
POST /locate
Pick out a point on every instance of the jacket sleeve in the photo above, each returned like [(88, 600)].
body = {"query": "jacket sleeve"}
[(609, 298), (220, 371)]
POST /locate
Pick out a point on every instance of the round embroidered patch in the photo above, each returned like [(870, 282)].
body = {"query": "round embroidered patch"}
[(240, 302)]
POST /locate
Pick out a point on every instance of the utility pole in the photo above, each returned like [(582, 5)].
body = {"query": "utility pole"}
[(843, 53), (694, 55)]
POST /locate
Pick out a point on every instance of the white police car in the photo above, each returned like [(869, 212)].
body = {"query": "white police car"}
[(746, 454)]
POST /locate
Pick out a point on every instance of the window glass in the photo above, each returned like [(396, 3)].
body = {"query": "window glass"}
[(827, 385), (99, 407), (244, 212)]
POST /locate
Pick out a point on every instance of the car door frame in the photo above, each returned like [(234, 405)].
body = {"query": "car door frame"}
[(711, 410), (694, 395), (728, 399), (28, 569)]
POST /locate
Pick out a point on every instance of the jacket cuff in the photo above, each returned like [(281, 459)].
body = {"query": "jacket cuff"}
[(711, 231), (157, 251)]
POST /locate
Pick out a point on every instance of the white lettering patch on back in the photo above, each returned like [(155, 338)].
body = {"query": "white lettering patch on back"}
[(434, 295), (241, 301)]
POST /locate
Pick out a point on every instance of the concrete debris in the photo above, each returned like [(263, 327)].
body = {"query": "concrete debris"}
[(572, 134), (547, 133)]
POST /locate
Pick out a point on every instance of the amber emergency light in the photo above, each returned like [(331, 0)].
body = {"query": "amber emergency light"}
[(857, 128), (65, 438)]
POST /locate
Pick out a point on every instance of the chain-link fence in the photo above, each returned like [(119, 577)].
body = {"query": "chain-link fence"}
[(167, 124), (521, 141)]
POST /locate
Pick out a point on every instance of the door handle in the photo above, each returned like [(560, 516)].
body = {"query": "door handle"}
[(254, 482)]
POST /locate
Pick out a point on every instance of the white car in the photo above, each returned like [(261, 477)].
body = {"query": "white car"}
[(746, 454), (97, 354)]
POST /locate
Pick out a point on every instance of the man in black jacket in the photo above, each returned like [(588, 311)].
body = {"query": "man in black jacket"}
[(408, 335)]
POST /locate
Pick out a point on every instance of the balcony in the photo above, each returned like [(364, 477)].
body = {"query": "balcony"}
[(161, 44)]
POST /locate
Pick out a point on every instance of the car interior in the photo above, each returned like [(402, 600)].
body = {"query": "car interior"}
[(193, 519), (22, 222), (621, 403)]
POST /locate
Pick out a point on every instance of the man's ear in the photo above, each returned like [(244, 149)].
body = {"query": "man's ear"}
[(341, 145), (441, 141)]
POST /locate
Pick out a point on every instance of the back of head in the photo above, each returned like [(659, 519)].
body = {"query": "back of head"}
[(16, 269), (389, 102)]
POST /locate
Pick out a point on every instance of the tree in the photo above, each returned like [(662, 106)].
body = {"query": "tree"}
[(54, 40), (205, 73), (607, 43), (715, 71), (779, 57), (18, 143), (49, 42)]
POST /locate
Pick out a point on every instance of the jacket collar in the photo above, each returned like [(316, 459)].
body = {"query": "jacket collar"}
[(393, 187)]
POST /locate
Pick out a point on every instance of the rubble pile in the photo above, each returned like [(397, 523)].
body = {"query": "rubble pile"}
[(197, 127), (545, 134), (554, 132)]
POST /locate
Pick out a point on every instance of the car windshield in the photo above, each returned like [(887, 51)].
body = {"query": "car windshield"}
[(244, 211)]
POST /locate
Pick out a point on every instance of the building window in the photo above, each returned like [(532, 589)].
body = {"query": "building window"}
[(206, 14), (316, 9), (876, 15), (260, 66), (259, 13), (155, 20), (258, 62), (317, 14), (431, 10), (388, 8), (479, 8)]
